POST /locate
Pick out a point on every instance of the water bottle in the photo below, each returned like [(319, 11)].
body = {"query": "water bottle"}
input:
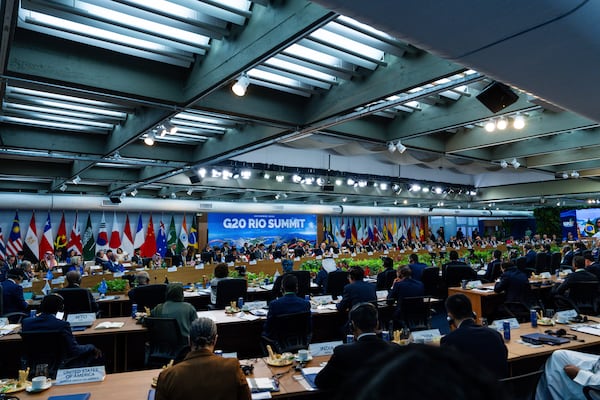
[(506, 328), (533, 318), (133, 310), (385, 335), (349, 338), (240, 302), (102, 288), (307, 297)]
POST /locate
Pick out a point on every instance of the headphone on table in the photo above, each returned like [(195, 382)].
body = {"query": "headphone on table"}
[(563, 334)]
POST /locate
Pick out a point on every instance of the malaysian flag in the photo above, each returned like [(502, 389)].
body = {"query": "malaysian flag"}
[(15, 244), (2, 248)]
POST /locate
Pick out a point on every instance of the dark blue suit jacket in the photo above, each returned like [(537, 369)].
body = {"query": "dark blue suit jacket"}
[(346, 357), (530, 258), (406, 288), (48, 322), (286, 304), (417, 270), (12, 295), (516, 285), (483, 344), (356, 292)]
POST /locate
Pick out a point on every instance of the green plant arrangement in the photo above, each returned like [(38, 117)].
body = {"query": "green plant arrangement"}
[(113, 285)]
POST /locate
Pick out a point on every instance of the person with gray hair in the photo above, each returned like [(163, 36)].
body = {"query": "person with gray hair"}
[(203, 372)]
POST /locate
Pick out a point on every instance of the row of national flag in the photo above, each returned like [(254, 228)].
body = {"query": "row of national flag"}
[(368, 229), (34, 247)]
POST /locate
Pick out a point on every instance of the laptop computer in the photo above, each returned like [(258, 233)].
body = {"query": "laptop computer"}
[(540, 338)]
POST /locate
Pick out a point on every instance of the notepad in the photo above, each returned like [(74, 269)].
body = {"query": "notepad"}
[(262, 385), (109, 325), (77, 396), (310, 374)]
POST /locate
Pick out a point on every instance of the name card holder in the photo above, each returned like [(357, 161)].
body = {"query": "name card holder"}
[(323, 349), (172, 269), (199, 266), (80, 375)]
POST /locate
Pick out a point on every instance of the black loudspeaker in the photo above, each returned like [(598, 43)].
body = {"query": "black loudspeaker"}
[(327, 188), (195, 178), (497, 96), (115, 199)]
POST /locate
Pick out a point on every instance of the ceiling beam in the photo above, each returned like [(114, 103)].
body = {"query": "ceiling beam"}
[(536, 189), (564, 157), (22, 137)]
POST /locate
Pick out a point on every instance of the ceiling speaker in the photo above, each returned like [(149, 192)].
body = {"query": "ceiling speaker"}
[(115, 199), (497, 97)]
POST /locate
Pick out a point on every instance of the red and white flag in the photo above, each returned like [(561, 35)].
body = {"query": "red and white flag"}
[(115, 236), (31, 249), (127, 238), (47, 243), (75, 239)]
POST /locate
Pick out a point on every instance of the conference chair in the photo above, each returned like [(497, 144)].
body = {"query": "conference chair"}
[(494, 272), (229, 290), (591, 392), (165, 342), (555, 262), (385, 279), (77, 300), (433, 283), (13, 317), (457, 273), (336, 280), (44, 347), (414, 313), (303, 283), (521, 387), (521, 263), (581, 296), (148, 295), (543, 262), (291, 332)]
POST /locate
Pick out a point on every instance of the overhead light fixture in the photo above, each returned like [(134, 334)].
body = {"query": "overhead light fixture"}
[(338, 182), (279, 178), (503, 164), (400, 147), (415, 187), (296, 178), (63, 187), (391, 147), (162, 130), (76, 180), (309, 180), (202, 172), (149, 139), (277, 196), (227, 174), (173, 130), (320, 181), (266, 175), (235, 175), (245, 174), (405, 202), (173, 195), (438, 190), (190, 191), (117, 155), (565, 175), (473, 193), (239, 88), (502, 123), (134, 192), (490, 126), (350, 182), (519, 121), (362, 184), (123, 195), (383, 186), (344, 199), (215, 173), (575, 174), (515, 163), (254, 199), (425, 189)]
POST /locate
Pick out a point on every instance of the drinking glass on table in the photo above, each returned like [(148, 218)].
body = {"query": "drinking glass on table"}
[(41, 370)]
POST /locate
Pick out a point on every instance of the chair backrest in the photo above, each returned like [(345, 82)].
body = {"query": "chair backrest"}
[(336, 281), (165, 341), (542, 262), (555, 261), (44, 347), (584, 296), (291, 332), (303, 283), (229, 290), (415, 313), (495, 272), (384, 281), (456, 273), (431, 281), (591, 392), (521, 387), (149, 295), (77, 300)]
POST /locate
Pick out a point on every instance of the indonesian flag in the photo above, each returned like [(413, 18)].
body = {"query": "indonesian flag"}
[(15, 244), (102, 239), (75, 239), (31, 249), (139, 234), (127, 239), (148, 249), (47, 243), (115, 239), (61, 236)]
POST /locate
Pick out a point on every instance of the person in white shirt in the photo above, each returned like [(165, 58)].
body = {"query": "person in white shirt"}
[(566, 373)]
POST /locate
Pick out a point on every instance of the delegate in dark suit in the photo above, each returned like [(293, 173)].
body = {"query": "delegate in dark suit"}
[(12, 297), (203, 374), (483, 344), (580, 275), (346, 357), (516, 285), (417, 270), (406, 288), (289, 303), (356, 292)]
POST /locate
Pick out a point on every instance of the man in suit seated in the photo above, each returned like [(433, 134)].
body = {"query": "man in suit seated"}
[(483, 344), (221, 378), (566, 373), (141, 278), (452, 263), (515, 283), (578, 275), (591, 265), (387, 276), (74, 281), (77, 355), (357, 291), (404, 286), (366, 346), (530, 256), (415, 266), (289, 303), (496, 259), (12, 292)]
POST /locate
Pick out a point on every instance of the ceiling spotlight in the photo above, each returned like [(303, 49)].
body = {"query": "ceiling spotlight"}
[(149, 139), (254, 199), (395, 202), (236, 175), (227, 174), (362, 184), (173, 195), (338, 182), (117, 156), (565, 175), (425, 189), (173, 130), (202, 172), (76, 180), (503, 164), (239, 88), (215, 173), (279, 178), (515, 163), (246, 174), (296, 178), (266, 175), (123, 195), (383, 186), (63, 187), (391, 147), (519, 122), (320, 181), (473, 193), (309, 180), (190, 191), (405, 201), (350, 182), (285, 196), (575, 174), (401, 148), (163, 130), (502, 123), (277, 196), (490, 126), (438, 190), (395, 187), (344, 199), (415, 187), (134, 192)]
